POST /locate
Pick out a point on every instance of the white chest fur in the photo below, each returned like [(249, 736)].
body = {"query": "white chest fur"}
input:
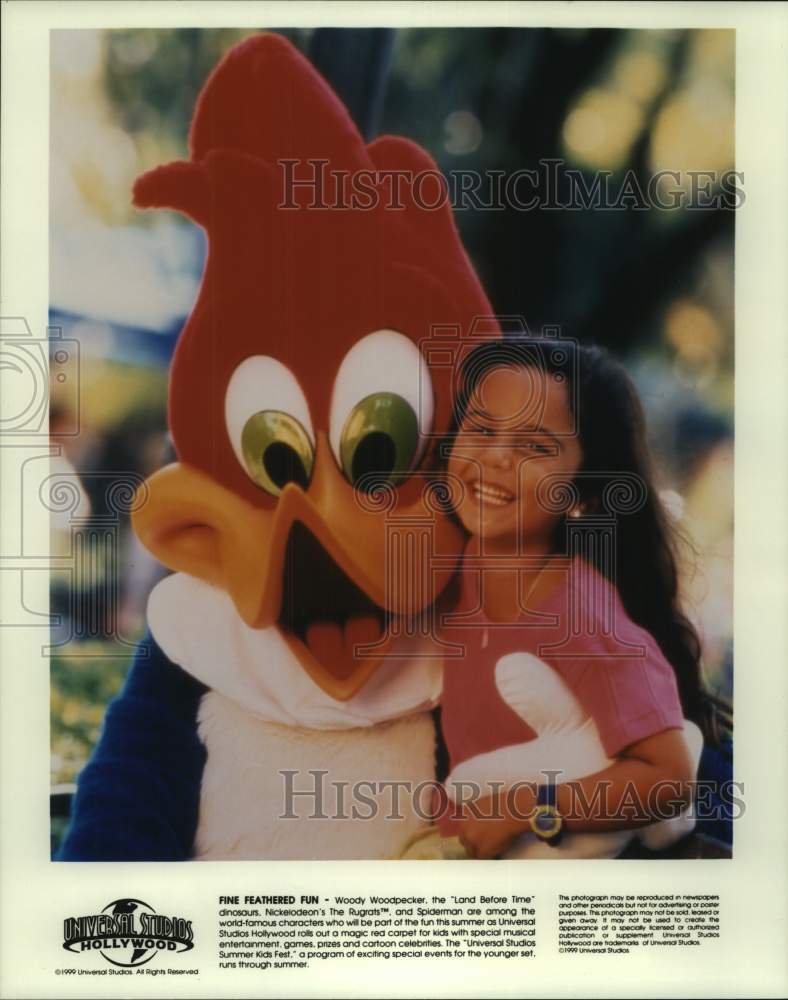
[(244, 792)]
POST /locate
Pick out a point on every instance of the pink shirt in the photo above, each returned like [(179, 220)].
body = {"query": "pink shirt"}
[(614, 668)]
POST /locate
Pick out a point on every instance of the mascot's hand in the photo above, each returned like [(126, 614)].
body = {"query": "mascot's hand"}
[(567, 741)]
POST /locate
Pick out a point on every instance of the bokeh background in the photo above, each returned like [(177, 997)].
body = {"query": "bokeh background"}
[(655, 286)]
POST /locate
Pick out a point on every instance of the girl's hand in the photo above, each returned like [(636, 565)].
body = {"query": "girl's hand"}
[(488, 826)]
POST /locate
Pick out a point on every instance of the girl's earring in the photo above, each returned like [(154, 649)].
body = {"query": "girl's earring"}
[(578, 510)]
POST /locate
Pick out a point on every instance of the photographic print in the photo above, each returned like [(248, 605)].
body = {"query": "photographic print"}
[(327, 243), (390, 408)]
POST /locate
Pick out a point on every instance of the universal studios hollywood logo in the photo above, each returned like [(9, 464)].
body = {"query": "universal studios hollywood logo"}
[(127, 932)]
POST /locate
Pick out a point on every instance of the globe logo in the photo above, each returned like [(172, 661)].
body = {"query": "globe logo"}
[(135, 950)]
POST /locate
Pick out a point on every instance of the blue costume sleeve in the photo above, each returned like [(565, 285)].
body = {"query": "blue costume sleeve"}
[(717, 804), (138, 797)]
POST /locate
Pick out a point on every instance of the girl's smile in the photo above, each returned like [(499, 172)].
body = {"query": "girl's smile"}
[(489, 493)]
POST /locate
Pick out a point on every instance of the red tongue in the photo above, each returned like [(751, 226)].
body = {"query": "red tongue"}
[(333, 648), (324, 640), (360, 632)]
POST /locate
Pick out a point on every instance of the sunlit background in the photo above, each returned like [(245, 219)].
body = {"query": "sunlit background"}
[(655, 286)]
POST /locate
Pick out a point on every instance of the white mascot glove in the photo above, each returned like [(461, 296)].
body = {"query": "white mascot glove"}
[(566, 740)]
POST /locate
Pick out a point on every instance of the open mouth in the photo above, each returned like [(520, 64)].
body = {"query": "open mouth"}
[(486, 493), (324, 613)]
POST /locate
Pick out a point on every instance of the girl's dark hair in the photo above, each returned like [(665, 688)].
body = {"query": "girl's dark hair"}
[(612, 434)]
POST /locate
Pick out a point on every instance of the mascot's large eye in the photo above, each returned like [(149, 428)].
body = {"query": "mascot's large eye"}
[(381, 409), (381, 436), (276, 451), (269, 426)]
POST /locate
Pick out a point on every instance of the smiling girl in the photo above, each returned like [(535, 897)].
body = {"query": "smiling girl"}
[(565, 713)]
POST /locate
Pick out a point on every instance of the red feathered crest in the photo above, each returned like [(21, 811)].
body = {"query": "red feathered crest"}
[(304, 283)]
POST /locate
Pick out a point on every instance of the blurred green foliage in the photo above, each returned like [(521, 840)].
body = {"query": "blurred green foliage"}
[(153, 77), (81, 686)]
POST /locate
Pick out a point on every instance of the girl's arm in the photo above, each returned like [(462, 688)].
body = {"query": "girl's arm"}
[(649, 780)]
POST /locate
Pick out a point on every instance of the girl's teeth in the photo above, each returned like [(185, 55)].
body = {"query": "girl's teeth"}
[(491, 495)]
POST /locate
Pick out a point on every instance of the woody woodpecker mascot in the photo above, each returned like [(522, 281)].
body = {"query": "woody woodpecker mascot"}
[(300, 371)]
